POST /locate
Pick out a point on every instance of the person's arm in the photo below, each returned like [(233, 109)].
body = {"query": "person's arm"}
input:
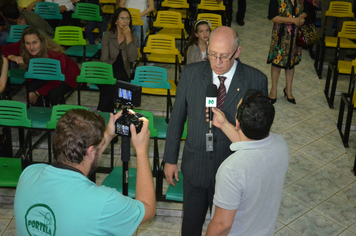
[(132, 48), (149, 9), (105, 48), (190, 54), (122, 3), (144, 183), (3, 76), (221, 223), (68, 5), (220, 121), (11, 49), (288, 20), (32, 5)]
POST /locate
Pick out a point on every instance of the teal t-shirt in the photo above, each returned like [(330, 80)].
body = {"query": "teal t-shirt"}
[(54, 201)]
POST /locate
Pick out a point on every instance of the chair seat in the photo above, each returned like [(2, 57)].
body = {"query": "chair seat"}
[(93, 87), (10, 171), (344, 67), (155, 57), (16, 76), (161, 92), (183, 12), (108, 9), (176, 33), (344, 42), (175, 193), (77, 51), (114, 180), (161, 125), (39, 116)]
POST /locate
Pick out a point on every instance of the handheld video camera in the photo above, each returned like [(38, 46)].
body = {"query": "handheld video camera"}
[(128, 94)]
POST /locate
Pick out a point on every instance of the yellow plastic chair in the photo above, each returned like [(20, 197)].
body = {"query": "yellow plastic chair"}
[(343, 41), (336, 9), (349, 100), (108, 6), (180, 6), (211, 6), (171, 24), (215, 19), (162, 49)]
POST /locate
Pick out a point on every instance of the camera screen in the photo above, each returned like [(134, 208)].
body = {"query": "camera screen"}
[(122, 129), (125, 94)]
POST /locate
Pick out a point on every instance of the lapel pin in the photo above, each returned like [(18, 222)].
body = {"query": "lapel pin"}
[(238, 89)]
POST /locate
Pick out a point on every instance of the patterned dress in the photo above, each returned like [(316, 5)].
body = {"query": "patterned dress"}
[(284, 53)]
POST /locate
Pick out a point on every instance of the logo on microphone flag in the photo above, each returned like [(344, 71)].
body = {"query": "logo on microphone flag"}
[(210, 102)]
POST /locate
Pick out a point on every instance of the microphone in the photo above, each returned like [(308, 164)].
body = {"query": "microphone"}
[(211, 100)]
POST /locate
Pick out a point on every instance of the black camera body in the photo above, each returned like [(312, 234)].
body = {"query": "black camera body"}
[(126, 119)]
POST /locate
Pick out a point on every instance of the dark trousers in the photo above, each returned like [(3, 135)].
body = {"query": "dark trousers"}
[(195, 205), (241, 10), (106, 98), (53, 96)]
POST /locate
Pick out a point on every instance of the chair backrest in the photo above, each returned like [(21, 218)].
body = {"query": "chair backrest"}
[(96, 73), (211, 5), (44, 69), (135, 16), (161, 44), (15, 33), (169, 19), (175, 4), (58, 111), (14, 113), (151, 127), (151, 77), (339, 9), (348, 30), (69, 36), (87, 12), (48, 10), (215, 19)]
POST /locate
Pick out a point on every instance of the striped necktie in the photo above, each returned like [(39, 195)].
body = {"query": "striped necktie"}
[(221, 92)]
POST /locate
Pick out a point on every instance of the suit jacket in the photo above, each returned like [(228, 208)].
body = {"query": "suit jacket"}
[(197, 166), (110, 49)]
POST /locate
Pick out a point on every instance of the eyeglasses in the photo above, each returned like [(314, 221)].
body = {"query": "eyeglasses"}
[(124, 18), (222, 57)]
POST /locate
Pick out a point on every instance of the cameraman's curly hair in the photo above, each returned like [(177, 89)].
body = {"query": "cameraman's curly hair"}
[(76, 131)]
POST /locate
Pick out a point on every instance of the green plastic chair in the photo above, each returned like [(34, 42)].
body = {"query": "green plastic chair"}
[(13, 114), (15, 33), (72, 37), (95, 73), (153, 80), (87, 12), (48, 10), (114, 179), (44, 69)]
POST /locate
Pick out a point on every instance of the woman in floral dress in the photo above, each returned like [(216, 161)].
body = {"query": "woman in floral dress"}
[(287, 16)]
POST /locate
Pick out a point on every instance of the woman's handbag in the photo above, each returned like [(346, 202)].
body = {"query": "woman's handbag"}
[(307, 35)]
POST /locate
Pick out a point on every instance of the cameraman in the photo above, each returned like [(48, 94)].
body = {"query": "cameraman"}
[(59, 199)]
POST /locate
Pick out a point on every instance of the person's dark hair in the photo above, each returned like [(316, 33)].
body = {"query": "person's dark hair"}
[(116, 15), (76, 131), (193, 38), (10, 9), (255, 114)]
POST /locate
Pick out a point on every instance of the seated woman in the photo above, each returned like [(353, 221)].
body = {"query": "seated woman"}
[(4, 65), (119, 48), (197, 44), (35, 43)]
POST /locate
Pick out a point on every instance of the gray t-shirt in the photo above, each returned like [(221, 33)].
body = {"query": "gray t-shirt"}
[(251, 181)]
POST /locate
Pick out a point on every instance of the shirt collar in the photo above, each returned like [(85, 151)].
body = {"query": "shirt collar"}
[(251, 144)]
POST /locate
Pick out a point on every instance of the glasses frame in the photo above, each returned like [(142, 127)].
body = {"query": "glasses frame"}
[(223, 59)]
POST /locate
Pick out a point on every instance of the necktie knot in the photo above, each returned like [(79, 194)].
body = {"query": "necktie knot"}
[(222, 79)]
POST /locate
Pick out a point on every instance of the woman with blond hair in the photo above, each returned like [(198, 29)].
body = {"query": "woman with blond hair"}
[(35, 44)]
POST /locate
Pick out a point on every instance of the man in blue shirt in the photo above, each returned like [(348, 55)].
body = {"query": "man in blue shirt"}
[(59, 199)]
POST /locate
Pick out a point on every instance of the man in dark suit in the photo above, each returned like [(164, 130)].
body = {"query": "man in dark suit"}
[(198, 166)]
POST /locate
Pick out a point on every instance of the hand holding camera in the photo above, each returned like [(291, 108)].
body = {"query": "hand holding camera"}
[(126, 119)]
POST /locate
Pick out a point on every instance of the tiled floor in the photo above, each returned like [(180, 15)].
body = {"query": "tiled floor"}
[(319, 197)]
